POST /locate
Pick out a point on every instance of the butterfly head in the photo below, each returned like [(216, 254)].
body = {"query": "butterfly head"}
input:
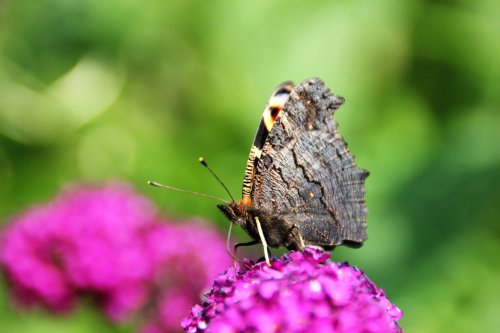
[(235, 211)]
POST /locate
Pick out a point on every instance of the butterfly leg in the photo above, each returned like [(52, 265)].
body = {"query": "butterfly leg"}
[(295, 240), (237, 245), (233, 254), (299, 236), (263, 240)]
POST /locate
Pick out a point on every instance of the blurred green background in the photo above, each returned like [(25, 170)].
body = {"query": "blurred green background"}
[(137, 90)]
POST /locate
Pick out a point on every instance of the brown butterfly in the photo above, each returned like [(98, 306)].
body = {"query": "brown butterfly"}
[(301, 185)]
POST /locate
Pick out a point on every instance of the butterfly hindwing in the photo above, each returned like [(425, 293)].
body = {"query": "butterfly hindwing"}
[(306, 176)]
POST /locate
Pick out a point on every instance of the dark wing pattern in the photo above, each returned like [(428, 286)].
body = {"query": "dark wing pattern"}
[(306, 174)]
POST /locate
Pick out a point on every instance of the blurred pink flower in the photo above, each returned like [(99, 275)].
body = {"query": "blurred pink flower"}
[(85, 241), (107, 242), (187, 257)]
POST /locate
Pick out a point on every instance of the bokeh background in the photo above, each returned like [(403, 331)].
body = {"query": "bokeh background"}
[(137, 90)]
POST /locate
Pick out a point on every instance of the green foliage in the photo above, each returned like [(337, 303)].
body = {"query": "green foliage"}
[(95, 90)]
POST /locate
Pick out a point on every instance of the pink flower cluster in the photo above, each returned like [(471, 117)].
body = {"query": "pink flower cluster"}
[(300, 293), (188, 257), (107, 242)]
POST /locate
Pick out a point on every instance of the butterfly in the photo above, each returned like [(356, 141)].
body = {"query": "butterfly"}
[(301, 185)]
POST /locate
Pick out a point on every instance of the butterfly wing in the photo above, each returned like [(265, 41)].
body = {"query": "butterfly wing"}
[(306, 174), (269, 116)]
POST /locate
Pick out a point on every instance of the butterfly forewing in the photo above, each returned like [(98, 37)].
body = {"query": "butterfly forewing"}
[(271, 112)]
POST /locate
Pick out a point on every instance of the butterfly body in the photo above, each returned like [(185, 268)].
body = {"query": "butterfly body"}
[(301, 185), (278, 232)]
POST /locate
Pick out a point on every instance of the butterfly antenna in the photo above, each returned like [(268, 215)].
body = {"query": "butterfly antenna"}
[(204, 163), (155, 184)]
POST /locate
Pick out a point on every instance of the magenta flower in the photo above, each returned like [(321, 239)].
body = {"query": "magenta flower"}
[(108, 242), (187, 257), (89, 240), (301, 292)]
